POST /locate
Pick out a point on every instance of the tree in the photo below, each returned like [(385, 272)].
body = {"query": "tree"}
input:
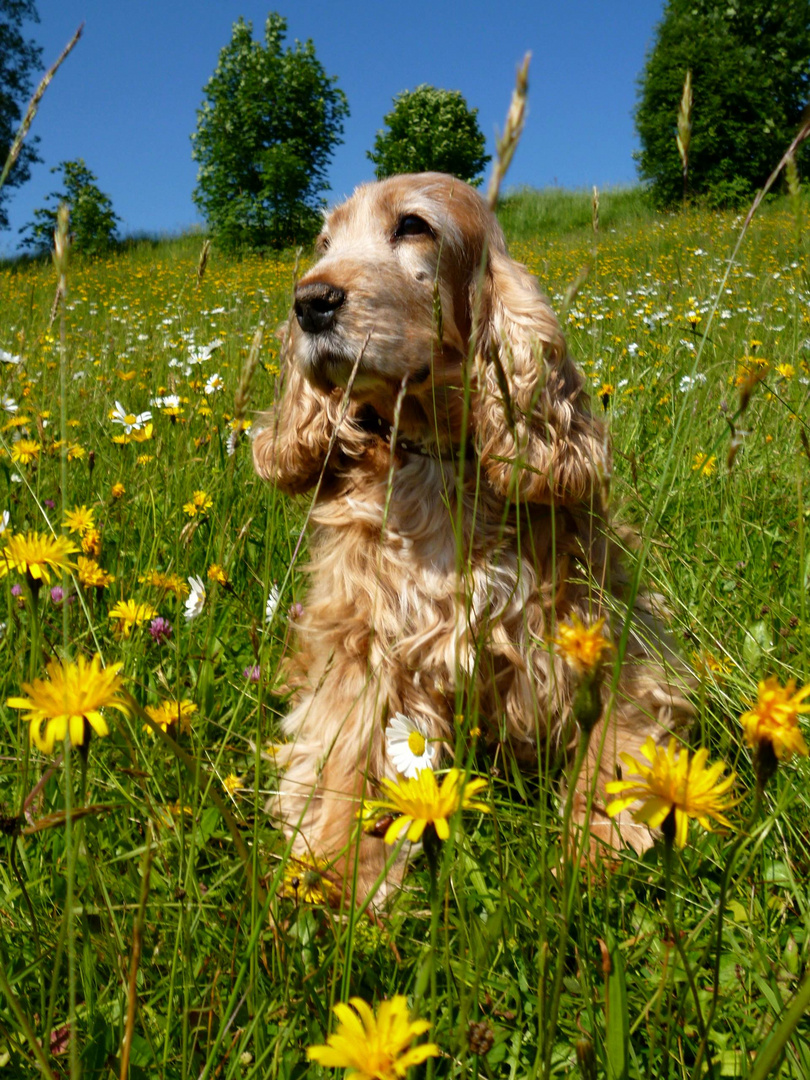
[(750, 64), (265, 134), (18, 58), (93, 224), (430, 130)]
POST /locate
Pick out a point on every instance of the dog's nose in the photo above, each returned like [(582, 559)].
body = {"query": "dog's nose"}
[(316, 306)]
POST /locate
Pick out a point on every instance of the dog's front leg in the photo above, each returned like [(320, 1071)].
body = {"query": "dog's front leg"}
[(334, 754)]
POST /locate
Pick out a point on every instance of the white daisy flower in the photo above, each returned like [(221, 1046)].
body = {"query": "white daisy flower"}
[(9, 358), (5, 518), (214, 383), (407, 746), (273, 598), (9, 404), (129, 421), (195, 601), (197, 355)]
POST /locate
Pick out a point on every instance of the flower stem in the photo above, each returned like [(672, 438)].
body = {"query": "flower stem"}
[(676, 937), (742, 838)]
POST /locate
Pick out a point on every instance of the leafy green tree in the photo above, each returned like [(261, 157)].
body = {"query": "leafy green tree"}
[(18, 58), (93, 223), (750, 64), (430, 130), (265, 134)]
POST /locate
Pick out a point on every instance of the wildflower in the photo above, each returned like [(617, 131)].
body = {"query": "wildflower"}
[(9, 358), (57, 594), (787, 371), (5, 518), (213, 384), (704, 464), (169, 713), (252, 672), (91, 542), (201, 503), (129, 421), (70, 701), (605, 393), (160, 629), (232, 783), (143, 434), (36, 555), (707, 664), (79, 520), (118, 491), (374, 1047), (306, 880), (196, 599), (216, 573), (129, 613), (407, 747), (8, 404), (24, 451), (144, 459), (582, 646), (775, 718), (75, 452), (672, 789), (273, 598), (296, 611), (91, 575), (421, 802)]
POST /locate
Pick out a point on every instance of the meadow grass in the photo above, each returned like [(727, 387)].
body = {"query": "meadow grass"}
[(162, 912)]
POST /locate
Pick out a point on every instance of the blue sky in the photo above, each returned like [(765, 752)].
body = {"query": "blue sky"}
[(126, 99)]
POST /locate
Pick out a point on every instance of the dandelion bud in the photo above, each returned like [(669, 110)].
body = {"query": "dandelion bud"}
[(586, 1058)]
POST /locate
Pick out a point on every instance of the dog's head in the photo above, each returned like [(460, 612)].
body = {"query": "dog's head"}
[(415, 300)]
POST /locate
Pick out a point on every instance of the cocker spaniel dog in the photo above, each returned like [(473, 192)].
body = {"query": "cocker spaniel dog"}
[(460, 516)]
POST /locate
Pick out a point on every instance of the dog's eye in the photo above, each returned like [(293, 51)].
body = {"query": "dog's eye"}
[(412, 225)]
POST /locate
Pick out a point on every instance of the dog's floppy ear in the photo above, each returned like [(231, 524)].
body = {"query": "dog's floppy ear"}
[(291, 445), (534, 430)]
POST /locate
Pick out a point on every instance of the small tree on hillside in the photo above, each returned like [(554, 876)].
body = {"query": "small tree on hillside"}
[(266, 131), (750, 64), (430, 130), (18, 58), (93, 223)]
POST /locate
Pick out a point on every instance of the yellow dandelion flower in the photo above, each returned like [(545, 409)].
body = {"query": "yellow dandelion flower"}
[(76, 452), (169, 713), (306, 880), (144, 459), (118, 491), (232, 783), (704, 464), (24, 451), (582, 647), (36, 554), (79, 520), (787, 371), (91, 542), (91, 575), (70, 701), (216, 573), (201, 503), (774, 718), (421, 802), (673, 786), (374, 1047), (129, 613)]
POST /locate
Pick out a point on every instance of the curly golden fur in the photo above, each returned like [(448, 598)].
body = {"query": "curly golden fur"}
[(460, 513)]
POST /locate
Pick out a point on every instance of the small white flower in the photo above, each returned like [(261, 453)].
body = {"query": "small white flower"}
[(271, 607), (195, 601), (16, 478), (9, 404), (407, 746), (129, 421), (5, 518), (9, 358), (198, 355), (214, 383)]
